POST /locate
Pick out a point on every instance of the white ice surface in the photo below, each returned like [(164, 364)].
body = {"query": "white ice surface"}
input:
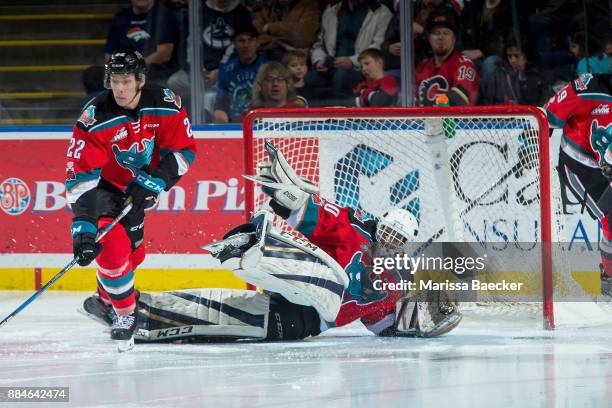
[(480, 364)]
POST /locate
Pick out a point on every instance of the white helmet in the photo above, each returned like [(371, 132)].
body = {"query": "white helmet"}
[(396, 228)]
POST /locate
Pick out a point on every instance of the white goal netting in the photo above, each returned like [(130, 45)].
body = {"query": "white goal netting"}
[(468, 175)]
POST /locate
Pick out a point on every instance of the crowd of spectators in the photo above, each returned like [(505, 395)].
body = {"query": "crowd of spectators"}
[(300, 53)]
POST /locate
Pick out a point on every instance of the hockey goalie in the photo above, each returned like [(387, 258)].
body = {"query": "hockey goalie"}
[(307, 285)]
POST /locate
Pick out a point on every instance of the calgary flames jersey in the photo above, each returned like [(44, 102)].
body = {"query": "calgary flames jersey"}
[(347, 235), (582, 109), (106, 137), (456, 77)]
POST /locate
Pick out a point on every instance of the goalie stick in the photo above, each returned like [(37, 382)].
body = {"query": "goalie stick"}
[(126, 209), (473, 204)]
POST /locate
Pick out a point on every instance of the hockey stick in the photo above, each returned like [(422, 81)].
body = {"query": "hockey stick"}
[(502, 179), (126, 209), (437, 234), (473, 204)]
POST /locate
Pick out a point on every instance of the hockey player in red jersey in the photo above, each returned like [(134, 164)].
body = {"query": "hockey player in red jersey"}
[(310, 285), (447, 71), (130, 141), (582, 109)]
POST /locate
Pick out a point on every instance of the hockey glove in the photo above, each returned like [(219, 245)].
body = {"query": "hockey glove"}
[(84, 244), (145, 188), (280, 181)]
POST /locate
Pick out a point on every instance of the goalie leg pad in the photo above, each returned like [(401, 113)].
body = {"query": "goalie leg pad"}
[(208, 313), (296, 269)]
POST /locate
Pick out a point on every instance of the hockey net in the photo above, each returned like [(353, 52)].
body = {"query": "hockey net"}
[(469, 174)]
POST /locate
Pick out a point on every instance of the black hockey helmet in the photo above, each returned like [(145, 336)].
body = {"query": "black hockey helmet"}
[(124, 62)]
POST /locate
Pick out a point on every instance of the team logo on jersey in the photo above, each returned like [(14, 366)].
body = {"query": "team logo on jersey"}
[(14, 196), (121, 134), (88, 117), (218, 35), (432, 87), (362, 216), (603, 109), (583, 81), (171, 97), (316, 199), (135, 157), (353, 270), (361, 281), (601, 137), (137, 34)]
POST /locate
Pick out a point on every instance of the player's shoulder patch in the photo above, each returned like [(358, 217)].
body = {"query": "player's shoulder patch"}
[(363, 222), (362, 216), (88, 116), (582, 82), (171, 97)]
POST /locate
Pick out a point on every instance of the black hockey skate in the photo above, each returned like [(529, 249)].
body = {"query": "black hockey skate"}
[(96, 309), (124, 326)]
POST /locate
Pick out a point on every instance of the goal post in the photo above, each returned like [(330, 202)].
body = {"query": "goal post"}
[(469, 174)]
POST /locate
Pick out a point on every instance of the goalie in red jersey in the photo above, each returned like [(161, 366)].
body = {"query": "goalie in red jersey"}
[(582, 109), (130, 141), (310, 285)]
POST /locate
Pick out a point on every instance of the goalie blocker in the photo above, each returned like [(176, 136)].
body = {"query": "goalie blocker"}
[(282, 263)]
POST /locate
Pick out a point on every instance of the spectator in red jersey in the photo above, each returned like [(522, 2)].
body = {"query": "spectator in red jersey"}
[(347, 28), (447, 72), (377, 89), (391, 47)]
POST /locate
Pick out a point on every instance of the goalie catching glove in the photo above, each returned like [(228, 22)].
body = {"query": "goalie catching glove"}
[(282, 263), (280, 181), (429, 314)]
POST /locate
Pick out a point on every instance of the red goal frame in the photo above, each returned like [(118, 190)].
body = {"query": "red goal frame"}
[(428, 112)]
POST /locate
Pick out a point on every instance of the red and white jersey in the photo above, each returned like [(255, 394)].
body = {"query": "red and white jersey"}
[(377, 92), (107, 136), (347, 236), (457, 77), (583, 109)]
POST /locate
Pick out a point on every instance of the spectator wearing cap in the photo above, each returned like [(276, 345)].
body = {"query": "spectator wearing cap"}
[(347, 28), (237, 76), (448, 72), (391, 47)]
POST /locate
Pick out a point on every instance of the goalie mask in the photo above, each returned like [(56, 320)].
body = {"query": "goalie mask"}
[(396, 228)]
